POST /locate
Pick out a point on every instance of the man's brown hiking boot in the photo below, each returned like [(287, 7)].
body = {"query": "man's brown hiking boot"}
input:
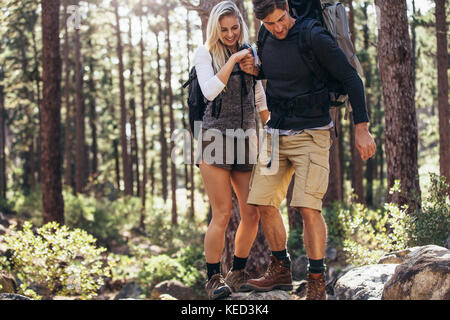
[(277, 276), (236, 279), (315, 288), (216, 287)]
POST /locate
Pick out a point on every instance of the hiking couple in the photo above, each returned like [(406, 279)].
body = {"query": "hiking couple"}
[(299, 118)]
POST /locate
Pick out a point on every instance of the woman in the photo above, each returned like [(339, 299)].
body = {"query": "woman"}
[(232, 97)]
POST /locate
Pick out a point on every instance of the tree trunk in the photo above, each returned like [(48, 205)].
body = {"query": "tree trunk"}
[(67, 103), (3, 116), (80, 169), (442, 67), (162, 126), (357, 163), (367, 67), (173, 169), (334, 191), (126, 164), (144, 124), (133, 141), (50, 130), (93, 118), (396, 70)]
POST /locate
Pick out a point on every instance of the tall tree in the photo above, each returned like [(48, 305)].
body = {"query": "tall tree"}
[(335, 190), (357, 163), (367, 69), (50, 130), (3, 116), (92, 113), (396, 70), (126, 164), (442, 67), (173, 169), (67, 103), (162, 134), (132, 113), (144, 118), (80, 144)]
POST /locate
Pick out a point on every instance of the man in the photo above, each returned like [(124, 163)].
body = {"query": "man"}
[(302, 120)]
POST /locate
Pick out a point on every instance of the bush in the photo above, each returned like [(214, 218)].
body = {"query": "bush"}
[(369, 234), (431, 224), (161, 232), (104, 219), (63, 261), (162, 267)]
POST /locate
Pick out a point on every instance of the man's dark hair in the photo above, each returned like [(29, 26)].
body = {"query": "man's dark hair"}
[(262, 8)]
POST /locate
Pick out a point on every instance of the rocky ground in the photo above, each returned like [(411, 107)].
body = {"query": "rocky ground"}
[(419, 273)]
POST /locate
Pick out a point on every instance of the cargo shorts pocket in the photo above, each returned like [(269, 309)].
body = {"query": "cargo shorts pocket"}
[(320, 137), (318, 175)]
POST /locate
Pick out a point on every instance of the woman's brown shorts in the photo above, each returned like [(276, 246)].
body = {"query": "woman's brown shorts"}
[(229, 152)]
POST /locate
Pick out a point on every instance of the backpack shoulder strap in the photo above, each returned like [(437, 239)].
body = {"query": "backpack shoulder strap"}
[(262, 36), (192, 76), (305, 48)]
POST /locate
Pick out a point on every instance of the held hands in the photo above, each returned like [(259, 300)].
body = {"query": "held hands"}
[(364, 141), (247, 64), (243, 54)]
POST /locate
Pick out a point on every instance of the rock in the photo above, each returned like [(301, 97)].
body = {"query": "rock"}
[(131, 290), (397, 257), (270, 295), (333, 274), (174, 288), (7, 283), (363, 283), (299, 267), (424, 275), (13, 296), (447, 243)]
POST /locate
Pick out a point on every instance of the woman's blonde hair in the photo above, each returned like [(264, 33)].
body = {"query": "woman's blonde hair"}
[(218, 50)]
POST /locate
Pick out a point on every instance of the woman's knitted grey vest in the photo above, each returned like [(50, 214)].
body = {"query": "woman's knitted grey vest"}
[(234, 107)]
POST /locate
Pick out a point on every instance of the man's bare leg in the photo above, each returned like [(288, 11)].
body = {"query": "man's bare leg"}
[(273, 227), (314, 233)]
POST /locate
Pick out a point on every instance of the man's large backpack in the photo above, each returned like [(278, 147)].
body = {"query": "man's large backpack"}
[(330, 15)]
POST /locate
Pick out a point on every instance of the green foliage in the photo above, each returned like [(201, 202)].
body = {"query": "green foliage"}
[(63, 261), (369, 234), (163, 267), (431, 224), (105, 219), (366, 234), (160, 231), (29, 205)]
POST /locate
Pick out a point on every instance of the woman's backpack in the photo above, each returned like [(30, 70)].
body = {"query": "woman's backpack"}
[(196, 101)]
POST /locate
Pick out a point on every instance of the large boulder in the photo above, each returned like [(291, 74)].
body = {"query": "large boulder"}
[(424, 275), (363, 283), (175, 289)]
